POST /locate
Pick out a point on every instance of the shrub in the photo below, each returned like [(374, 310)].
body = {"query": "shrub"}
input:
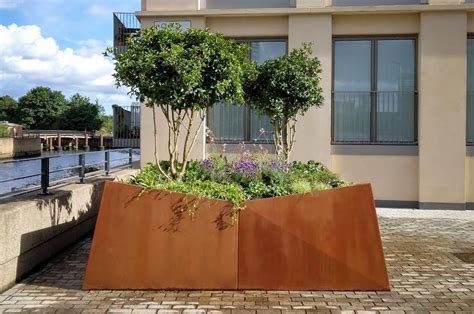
[(4, 130), (181, 73), (284, 89), (241, 180)]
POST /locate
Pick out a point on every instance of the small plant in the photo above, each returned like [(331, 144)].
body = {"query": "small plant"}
[(284, 89), (4, 131), (251, 177)]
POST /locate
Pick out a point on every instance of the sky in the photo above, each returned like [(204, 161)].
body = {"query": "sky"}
[(59, 44)]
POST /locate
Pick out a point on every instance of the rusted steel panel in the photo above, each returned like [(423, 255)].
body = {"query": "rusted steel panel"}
[(326, 240), (149, 241)]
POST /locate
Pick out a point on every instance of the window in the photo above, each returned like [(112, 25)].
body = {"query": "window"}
[(374, 91), (230, 123), (470, 91)]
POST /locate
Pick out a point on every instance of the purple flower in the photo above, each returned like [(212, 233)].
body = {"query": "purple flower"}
[(207, 164), (275, 165), (246, 167)]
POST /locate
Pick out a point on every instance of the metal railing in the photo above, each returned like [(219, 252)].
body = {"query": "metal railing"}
[(126, 126), (470, 118), (382, 117), (125, 25), (80, 170)]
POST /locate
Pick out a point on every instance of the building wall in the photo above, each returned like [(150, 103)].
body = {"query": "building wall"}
[(313, 134), (442, 107), (436, 173)]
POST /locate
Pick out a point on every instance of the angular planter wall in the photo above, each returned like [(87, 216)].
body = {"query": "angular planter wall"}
[(149, 241), (326, 240)]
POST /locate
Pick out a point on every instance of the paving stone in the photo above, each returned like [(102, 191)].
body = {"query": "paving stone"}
[(424, 274)]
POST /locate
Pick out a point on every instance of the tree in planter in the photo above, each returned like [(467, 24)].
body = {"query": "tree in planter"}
[(284, 89), (182, 73)]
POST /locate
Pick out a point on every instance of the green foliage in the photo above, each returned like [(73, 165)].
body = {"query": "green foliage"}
[(41, 108), (81, 114), (182, 73), (241, 180), (301, 186), (4, 131), (107, 124), (284, 89), (182, 69), (8, 109)]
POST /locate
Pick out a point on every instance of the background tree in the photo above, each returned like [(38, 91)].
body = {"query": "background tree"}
[(182, 73), (81, 114), (284, 89), (8, 109), (107, 124), (41, 108)]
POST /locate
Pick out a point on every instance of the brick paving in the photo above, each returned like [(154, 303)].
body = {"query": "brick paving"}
[(425, 277)]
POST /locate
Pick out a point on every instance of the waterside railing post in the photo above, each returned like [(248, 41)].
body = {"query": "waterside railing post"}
[(82, 169), (45, 176), (107, 162)]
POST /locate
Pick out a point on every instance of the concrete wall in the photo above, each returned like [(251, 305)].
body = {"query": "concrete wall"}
[(314, 128), (35, 228), (19, 147), (442, 107), (470, 182)]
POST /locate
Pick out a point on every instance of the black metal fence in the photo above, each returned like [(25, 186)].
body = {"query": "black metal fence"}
[(57, 169), (125, 25), (126, 126)]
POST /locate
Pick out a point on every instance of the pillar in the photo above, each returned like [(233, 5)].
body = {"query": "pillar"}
[(442, 109), (59, 147), (313, 130), (86, 141), (101, 145)]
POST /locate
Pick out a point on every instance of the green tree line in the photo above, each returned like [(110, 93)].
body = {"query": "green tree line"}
[(45, 109)]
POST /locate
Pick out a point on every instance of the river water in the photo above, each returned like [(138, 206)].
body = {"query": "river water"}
[(10, 169)]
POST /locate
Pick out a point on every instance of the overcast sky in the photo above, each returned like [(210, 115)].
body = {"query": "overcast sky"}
[(59, 44)]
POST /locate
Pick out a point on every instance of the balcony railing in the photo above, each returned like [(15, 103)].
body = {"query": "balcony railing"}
[(387, 117), (125, 25), (470, 118)]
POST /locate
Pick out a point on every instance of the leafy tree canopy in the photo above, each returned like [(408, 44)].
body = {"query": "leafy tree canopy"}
[(107, 124), (181, 73), (284, 89), (41, 108), (8, 108), (81, 114), (182, 69)]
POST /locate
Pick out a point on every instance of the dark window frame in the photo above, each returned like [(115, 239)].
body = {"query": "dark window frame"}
[(248, 113), (469, 36), (373, 92)]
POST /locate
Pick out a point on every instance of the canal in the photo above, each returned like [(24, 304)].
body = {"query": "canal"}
[(10, 169)]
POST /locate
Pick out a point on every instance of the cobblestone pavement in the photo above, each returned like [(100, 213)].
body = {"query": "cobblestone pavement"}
[(425, 276)]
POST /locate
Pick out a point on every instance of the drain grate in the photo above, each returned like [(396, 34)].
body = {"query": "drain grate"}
[(466, 257)]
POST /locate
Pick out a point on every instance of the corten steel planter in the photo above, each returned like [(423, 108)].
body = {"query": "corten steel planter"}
[(149, 241), (326, 240)]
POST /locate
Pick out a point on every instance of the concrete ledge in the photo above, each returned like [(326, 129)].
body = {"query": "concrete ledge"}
[(396, 204), (423, 205), (34, 228), (433, 205), (381, 150)]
